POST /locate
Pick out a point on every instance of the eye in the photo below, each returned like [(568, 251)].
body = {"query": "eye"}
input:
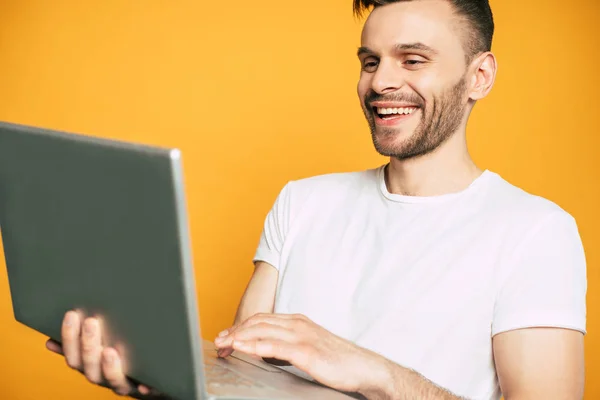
[(414, 61), (370, 65)]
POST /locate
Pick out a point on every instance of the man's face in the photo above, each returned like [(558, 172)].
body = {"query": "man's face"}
[(413, 80)]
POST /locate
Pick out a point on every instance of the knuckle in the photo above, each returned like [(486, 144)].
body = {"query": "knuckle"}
[(72, 364), (93, 378), (68, 333), (111, 375), (298, 324), (258, 317), (89, 325), (114, 376), (88, 348), (89, 342)]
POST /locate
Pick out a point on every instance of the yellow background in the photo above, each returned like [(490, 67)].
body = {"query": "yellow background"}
[(258, 93)]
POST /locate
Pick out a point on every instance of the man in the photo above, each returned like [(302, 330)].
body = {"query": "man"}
[(427, 278)]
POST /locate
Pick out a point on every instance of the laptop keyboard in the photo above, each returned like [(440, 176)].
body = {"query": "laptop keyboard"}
[(219, 375)]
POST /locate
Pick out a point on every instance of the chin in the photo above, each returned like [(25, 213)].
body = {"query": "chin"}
[(388, 145), (394, 137)]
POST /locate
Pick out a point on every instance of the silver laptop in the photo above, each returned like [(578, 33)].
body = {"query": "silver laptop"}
[(100, 226)]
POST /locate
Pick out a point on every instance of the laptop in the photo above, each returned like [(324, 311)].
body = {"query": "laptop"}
[(101, 226)]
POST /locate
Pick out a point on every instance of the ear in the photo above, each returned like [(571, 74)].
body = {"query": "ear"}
[(484, 69)]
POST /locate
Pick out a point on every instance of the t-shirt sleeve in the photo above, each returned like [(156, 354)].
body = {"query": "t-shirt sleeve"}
[(274, 230), (546, 284)]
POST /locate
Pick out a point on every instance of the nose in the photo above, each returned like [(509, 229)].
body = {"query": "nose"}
[(387, 78)]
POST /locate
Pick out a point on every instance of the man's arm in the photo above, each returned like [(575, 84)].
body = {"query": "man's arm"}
[(259, 296), (540, 363), (330, 359), (533, 363), (399, 383)]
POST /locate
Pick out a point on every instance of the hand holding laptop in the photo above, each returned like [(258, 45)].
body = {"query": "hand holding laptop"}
[(83, 351), (100, 226)]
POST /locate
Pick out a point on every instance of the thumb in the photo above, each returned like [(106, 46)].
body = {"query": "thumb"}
[(54, 347)]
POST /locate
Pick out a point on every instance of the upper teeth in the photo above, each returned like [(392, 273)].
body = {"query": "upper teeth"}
[(407, 110)]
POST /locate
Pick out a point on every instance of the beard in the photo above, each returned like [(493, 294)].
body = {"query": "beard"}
[(439, 121)]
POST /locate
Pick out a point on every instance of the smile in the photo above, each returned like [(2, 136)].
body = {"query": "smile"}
[(388, 116), (384, 112)]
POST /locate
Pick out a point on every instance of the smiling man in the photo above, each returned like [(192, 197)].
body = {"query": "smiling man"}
[(425, 278)]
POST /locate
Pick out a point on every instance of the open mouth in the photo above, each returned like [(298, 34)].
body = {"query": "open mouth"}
[(393, 113)]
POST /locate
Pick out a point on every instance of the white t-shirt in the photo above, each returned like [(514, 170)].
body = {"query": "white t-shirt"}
[(425, 281)]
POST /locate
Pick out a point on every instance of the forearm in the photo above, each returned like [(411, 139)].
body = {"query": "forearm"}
[(394, 382), (259, 296)]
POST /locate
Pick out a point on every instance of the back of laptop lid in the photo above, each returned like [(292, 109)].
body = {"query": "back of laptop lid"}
[(101, 226)]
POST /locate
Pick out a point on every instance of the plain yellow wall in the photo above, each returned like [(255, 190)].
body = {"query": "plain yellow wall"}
[(258, 93)]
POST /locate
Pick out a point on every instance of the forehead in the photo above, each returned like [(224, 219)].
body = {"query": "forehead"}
[(430, 22)]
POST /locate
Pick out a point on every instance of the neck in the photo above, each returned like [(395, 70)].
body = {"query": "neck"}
[(448, 169)]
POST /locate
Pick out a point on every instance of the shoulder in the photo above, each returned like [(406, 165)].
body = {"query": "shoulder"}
[(333, 185), (522, 208), (320, 191), (545, 247), (541, 278)]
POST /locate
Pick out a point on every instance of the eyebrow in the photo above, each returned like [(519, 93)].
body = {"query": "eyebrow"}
[(401, 47), (415, 46), (364, 50)]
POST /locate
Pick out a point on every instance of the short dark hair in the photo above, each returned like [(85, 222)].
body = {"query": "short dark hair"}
[(477, 13)]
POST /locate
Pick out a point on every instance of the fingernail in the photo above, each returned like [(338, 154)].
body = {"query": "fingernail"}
[(219, 340), (224, 333), (89, 329), (110, 358), (69, 320)]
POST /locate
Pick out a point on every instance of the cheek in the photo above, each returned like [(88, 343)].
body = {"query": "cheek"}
[(362, 88), (427, 85)]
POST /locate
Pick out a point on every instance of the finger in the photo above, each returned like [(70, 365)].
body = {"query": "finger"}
[(275, 319), (70, 332), (146, 391), (225, 352), (293, 353), (260, 331), (91, 350), (282, 320), (224, 343), (112, 369), (226, 331), (54, 347)]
